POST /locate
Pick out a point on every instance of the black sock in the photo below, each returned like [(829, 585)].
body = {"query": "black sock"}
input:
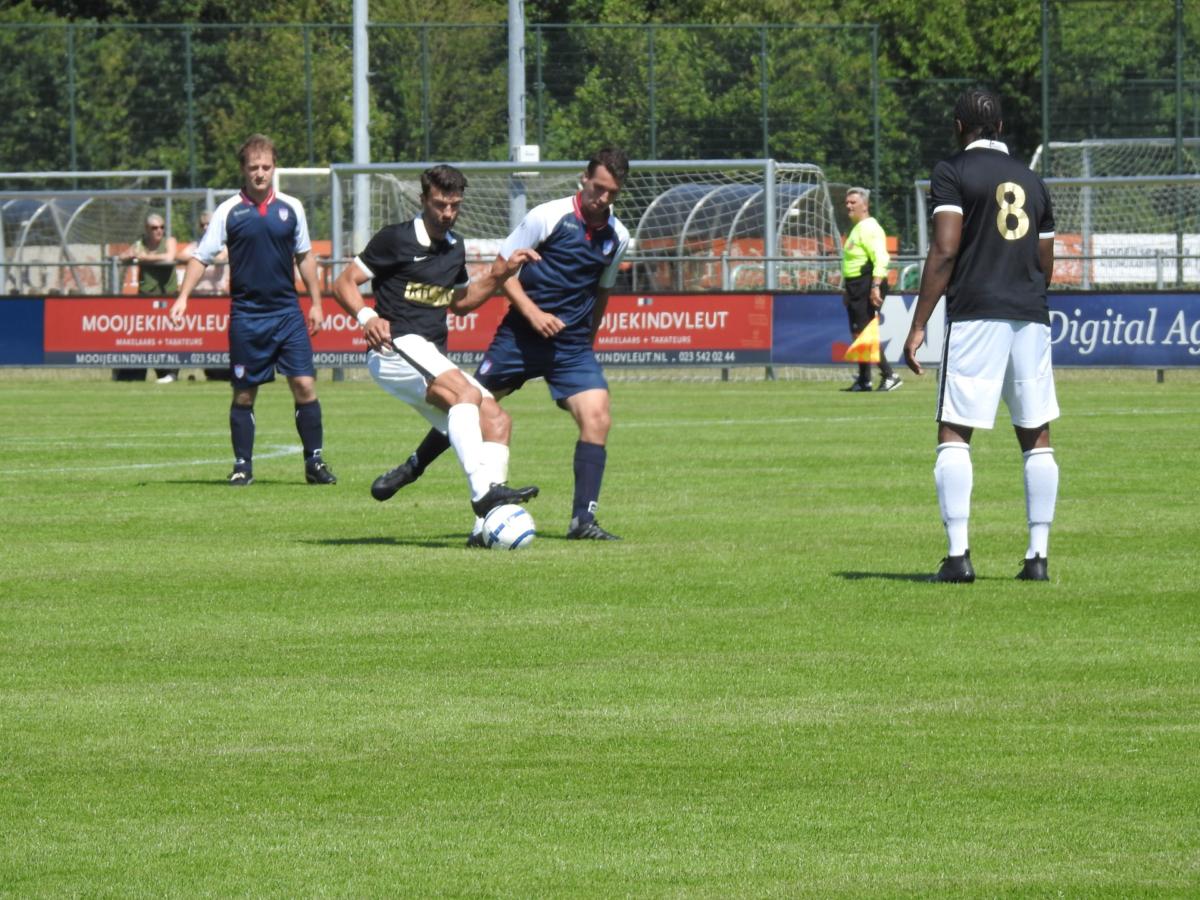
[(885, 368), (434, 445), (589, 472), (864, 373), (308, 425), (241, 431)]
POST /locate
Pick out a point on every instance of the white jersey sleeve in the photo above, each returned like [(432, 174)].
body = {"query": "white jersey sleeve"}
[(609, 276), (215, 236), (302, 243)]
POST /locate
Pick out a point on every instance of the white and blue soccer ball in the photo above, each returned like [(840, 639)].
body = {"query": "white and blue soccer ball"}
[(508, 527)]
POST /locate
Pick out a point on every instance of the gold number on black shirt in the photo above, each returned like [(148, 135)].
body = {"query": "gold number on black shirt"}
[(1012, 220)]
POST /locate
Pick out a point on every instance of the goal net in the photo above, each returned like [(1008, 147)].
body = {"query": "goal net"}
[(1115, 157), (1124, 214), (695, 225)]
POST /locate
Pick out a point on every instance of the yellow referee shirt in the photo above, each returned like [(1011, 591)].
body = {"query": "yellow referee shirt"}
[(865, 243)]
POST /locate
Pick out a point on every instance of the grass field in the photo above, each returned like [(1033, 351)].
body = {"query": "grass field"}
[(297, 691)]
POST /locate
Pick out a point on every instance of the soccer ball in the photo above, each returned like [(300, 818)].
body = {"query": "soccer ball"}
[(508, 527)]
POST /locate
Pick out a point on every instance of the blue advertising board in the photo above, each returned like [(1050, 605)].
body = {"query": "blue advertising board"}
[(22, 339), (1152, 330), (1149, 330)]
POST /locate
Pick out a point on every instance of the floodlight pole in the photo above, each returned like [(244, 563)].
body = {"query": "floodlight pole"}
[(516, 106), (362, 140)]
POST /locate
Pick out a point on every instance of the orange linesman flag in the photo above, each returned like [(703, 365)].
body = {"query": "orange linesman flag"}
[(865, 348)]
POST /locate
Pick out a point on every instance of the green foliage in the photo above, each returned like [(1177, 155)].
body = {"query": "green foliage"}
[(658, 87), (297, 691)]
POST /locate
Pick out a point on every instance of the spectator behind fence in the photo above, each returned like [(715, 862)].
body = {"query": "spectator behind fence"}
[(154, 254), (214, 281)]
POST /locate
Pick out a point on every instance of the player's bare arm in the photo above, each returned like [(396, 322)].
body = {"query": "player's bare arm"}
[(1046, 259), (939, 266), (307, 264), (348, 294), (486, 286), (545, 324), (191, 277)]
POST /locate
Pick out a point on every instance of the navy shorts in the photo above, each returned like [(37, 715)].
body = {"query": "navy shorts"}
[(512, 360), (261, 345)]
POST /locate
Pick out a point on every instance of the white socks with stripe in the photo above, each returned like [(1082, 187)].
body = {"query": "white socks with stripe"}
[(1041, 491), (953, 475)]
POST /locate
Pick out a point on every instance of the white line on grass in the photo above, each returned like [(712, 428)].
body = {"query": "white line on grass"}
[(275, 451)]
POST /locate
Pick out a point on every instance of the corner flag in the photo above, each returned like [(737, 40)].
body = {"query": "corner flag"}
[(865, 348)]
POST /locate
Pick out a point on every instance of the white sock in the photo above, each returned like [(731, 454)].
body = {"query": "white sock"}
[(494, 458), (462, 427), (953, 475), (1041, 491)]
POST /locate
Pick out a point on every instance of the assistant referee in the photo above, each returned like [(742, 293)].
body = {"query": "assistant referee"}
[(864, 272)]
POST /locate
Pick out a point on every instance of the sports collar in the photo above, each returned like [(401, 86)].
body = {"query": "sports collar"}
[(985, 144), (423, 237), (262, 207), (588, 229)]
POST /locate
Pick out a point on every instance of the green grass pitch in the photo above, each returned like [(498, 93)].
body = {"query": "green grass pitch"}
[(297, 691)]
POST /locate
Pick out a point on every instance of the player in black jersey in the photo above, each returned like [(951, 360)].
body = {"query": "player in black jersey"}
[(418, 271), (992, 257)]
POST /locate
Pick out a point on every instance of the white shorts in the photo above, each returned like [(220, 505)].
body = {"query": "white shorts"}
[(407, 372), (986, 359)]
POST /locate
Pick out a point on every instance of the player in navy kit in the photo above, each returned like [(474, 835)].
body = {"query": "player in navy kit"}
[(265, 232), (992, 257), (557, 305), (418, 271)]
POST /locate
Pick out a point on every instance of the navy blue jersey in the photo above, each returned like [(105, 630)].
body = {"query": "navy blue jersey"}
[(263, 241), (1006, 212), (577, 262), (414, 278)]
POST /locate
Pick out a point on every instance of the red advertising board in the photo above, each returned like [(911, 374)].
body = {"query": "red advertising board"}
[(663, 329), (686, 329)]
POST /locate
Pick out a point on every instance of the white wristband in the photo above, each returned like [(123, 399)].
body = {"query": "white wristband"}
[(365, 315)]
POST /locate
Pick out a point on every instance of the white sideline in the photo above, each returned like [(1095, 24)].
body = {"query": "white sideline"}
[(275, 451)]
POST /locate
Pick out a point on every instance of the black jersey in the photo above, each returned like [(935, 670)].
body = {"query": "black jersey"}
[(414, 278), (1006, 211)]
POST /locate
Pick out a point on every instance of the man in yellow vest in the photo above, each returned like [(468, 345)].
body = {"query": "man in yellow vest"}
[(864, 281)]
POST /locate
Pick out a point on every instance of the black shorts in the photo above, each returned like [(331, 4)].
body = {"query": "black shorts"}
[(858, 301)]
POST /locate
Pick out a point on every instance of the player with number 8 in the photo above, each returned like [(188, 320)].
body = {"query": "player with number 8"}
[(992, 257)]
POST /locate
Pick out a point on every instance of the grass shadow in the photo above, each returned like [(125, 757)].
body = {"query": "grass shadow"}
[(441, 542), (885, 576), (223, 483)]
